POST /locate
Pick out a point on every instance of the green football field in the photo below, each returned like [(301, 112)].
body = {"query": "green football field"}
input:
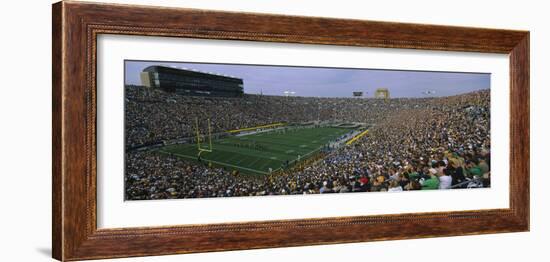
[(256, 153)]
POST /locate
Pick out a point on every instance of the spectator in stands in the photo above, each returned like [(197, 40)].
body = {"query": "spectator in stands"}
[(432, 182), (394, 186)]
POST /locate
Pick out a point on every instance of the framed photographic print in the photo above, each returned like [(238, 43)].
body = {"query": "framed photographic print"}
[(182, 130)]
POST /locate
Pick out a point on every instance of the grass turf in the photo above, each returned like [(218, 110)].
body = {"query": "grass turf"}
[(256, 153)]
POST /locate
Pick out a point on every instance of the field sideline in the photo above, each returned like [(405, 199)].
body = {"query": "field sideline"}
[(257, 153)]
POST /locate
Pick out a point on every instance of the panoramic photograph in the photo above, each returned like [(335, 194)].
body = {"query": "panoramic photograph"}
[(206, 130)]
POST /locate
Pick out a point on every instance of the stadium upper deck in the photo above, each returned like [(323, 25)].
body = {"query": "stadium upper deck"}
[(191, 82)]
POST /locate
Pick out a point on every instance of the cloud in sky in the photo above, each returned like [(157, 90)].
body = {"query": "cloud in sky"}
[(331, 82)]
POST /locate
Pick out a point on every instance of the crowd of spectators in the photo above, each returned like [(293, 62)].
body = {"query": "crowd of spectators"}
[(152, 115), (412, 144)]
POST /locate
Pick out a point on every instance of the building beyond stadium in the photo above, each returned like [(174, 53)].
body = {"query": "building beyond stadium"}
[(190, 82)]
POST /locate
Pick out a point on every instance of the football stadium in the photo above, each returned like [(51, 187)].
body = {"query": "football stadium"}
[(193, 134)]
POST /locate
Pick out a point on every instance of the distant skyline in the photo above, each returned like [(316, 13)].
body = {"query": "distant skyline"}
[(330, 82)]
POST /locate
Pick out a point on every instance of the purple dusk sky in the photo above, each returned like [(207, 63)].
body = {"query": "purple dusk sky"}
[(330, 82)]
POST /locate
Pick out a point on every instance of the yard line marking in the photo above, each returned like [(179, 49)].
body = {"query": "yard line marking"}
[(256, 161), (221, 163), (244, 151), (256, 127)]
